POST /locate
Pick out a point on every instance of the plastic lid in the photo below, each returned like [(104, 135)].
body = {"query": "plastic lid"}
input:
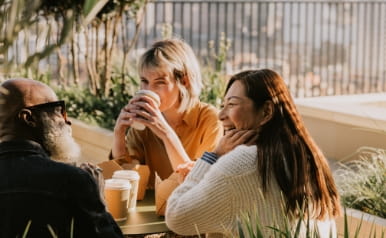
[(126, 174), (117, 183), (150, 94)]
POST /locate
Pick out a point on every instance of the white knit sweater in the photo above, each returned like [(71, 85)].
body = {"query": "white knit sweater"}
[(213, 197)]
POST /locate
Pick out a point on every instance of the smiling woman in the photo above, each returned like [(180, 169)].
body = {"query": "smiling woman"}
[(178, 130), (266, 162), (236, 105)]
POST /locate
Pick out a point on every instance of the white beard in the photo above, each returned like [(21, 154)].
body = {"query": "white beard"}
[(58, 141)]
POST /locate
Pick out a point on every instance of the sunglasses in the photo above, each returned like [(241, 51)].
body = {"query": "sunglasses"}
[(50, 106)]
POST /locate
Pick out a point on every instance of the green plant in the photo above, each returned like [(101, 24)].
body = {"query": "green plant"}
[(249, 227), (214, 72), (101, 111), (26, 229), (50, 229), (362, 183), (84, 34), (18, 19)]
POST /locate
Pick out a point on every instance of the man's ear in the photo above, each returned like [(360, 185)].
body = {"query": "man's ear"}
[(268, 109), (25, 115)]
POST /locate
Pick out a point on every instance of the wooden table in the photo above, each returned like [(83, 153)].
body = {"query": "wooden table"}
[(144, 220)]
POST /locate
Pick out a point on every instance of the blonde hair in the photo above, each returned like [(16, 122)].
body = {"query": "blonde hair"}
[(177, 58)]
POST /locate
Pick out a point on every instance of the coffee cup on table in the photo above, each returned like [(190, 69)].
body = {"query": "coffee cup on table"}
[(133, 177), (117, 194), (144, 174), (137, 125)]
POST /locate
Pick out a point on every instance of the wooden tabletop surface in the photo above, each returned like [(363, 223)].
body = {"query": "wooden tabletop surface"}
[(144, 220)]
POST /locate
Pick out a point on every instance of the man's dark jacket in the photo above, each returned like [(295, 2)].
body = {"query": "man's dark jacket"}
[(35, 189)]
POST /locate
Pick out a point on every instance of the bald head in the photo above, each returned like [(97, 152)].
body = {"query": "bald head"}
[(15, 94), (26, 92), (30, 110)]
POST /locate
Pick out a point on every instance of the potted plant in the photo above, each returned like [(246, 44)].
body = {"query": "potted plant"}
[(362, 186)]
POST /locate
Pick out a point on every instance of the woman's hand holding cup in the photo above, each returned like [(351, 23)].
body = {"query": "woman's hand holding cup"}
[(143, 101)]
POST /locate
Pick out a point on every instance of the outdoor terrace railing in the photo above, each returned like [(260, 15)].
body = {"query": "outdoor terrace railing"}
[(320, 47)]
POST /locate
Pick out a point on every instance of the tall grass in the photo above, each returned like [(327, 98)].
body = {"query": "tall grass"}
[(214, 72), (249, 227), (50, 230), (362, 183)]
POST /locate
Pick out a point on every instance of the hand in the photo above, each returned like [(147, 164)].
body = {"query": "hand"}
[(96, 173), (234, 138), (147, 112), (125, 119), (183, 170), (94, 170), (131, 112)]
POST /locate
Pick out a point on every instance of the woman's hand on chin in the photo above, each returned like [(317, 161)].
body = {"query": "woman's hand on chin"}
[(233, 138)]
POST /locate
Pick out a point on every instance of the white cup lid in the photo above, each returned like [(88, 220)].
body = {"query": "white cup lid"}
[(150, 94), (117, 183), (126, 174)]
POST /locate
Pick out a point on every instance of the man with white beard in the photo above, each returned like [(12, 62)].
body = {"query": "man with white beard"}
[(38, 195), (58, 140), (60, 144)]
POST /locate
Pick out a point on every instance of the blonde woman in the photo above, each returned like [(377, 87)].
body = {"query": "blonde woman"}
[(181, 128), (266, 163)]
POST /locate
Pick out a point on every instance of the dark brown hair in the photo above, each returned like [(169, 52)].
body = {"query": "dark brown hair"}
[(286, 151)]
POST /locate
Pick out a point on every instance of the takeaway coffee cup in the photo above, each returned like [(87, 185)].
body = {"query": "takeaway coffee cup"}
[(153, 95), (133, 177), (117, 194)]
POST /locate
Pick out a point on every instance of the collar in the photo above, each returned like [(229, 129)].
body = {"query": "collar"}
[(191, 115), (21, 146)]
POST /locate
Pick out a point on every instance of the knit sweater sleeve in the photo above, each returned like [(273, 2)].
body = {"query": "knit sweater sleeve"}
[(204, 202)]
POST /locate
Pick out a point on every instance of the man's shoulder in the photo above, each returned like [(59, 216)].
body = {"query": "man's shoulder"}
[(70, 169), (57, 169)]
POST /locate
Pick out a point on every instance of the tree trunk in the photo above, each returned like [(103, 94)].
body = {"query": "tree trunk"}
[(89, 60), (105, 47), (98, 58), (117, 20), (126, 50), (74, 55)]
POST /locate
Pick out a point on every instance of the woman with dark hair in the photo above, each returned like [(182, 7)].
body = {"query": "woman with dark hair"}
[(266, 163)]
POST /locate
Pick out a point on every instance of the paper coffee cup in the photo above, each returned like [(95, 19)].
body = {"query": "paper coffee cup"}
[(153, 95), (133, 177), (144, 174), (117, 194)]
